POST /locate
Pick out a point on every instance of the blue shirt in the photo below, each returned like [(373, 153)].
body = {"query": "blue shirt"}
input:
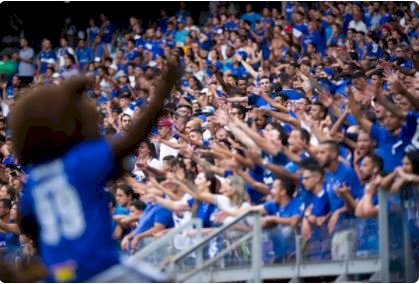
[(410, 131), (320, 203), (84, 56), (154, 213), (107, 32), (257, 174), (343, 174), (252, 17), (180, 36), (43, 58), (65, 198), (389, 146), (292, 208), (203, 212)]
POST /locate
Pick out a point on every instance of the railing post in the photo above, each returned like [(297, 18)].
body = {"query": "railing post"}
[(200, 255), (257, 250), (298, 259), (407, 245), (384, 235)]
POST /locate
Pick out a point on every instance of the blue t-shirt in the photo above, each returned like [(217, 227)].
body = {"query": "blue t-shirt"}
[(154, 213), (343, 174), (292, 208), (252, 17), (389, 146), (43, 58), (107, 32), (410, 131), (84, 56), (66, 199), (203, 212), (257, 174)]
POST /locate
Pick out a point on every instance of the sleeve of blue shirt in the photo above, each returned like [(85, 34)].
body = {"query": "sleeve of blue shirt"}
[(164, 217), (355, 185), (377, 132), (269, 207)]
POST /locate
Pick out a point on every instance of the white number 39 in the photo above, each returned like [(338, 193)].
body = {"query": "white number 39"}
[(59, 210)]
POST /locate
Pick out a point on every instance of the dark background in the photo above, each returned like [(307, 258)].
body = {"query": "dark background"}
[(46, 19)]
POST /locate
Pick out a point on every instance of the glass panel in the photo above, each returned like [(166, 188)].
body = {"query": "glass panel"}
[(278, 245)]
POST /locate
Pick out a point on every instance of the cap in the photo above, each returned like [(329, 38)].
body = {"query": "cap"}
[(125, 95), (165, 122), (120, 74), (114, 67), (208, 110), (51, 61), (97, 59)]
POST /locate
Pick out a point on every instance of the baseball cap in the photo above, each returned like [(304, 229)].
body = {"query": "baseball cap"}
[(165, 122), (208, 110)]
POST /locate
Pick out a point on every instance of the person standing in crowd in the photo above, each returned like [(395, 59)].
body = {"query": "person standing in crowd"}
[(26, 63)]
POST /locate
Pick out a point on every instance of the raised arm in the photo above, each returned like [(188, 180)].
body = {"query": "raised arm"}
[(246, 66), (139, 131), (360, 118)]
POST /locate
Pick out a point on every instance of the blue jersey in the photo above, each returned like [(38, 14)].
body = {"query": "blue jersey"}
[(343, 174), (292, 208), (66, 199), (84, 56), (154, 213), (390, 147), (410, 131), (203, 212), (43, 58), (257, 174)]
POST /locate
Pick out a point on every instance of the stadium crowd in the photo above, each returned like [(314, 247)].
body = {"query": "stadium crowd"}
[(301, 111)]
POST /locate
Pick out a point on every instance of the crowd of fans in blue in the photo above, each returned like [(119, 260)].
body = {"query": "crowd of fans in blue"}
[(301, 111)]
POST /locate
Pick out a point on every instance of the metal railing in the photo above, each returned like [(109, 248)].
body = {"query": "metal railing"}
[(231, 253), (246, 228), (165, 247)]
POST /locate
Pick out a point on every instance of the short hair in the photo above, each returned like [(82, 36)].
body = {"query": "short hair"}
[(304, 135), (289, 186), (265, 77), (376, 160), (306, 163), (125, 114), (196, 130), (284, 78), (240, 109), (322, 108), (315, 167), (413, 157), (139, 205), (7, 203), (332, 144), (171, 160), (110, 131), (11, 191)]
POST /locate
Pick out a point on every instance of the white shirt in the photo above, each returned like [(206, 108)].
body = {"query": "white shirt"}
[(153, 162), (224, 203), (168, 151), (359, 26)]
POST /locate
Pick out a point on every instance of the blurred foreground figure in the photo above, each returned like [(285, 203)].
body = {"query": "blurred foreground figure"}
[(64, 206)]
